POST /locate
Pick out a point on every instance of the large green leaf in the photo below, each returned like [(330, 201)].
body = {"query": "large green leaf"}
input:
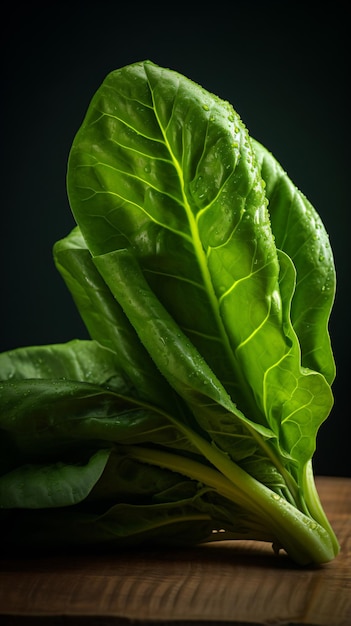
[(166, 170), (171, 166), (300, 232)]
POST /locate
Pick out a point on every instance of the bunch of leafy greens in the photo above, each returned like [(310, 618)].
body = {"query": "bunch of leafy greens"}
[(205, 280)]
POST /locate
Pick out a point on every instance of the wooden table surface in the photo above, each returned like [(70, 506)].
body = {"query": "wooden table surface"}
[(237, 583)]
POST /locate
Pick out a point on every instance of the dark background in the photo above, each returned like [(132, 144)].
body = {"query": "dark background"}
[(283, 68)]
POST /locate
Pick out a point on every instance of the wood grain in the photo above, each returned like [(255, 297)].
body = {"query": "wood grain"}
[(238, 583)]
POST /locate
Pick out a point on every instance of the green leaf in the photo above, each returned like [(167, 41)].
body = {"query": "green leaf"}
[(195, 193), (106, 321), (300, 232), (45, 419), (54, 485), (174, 169), (121, 526), (79, 360)]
